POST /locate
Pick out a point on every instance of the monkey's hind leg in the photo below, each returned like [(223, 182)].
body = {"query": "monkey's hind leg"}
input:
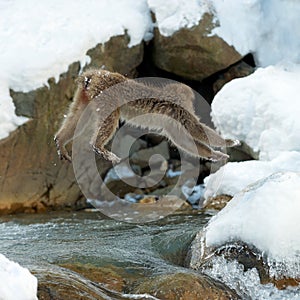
[(103, 134), (205, 135), (185, 142)]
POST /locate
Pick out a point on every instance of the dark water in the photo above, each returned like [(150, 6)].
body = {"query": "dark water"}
[(46, 240)]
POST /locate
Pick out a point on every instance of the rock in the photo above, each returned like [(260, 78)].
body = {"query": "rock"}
[(142, 157), (246, 255), (63, 284), (216, 203), (148, 200), (126, 145), (107, 276), (192, 53), (120, 180), (241, 69), (33, 179), (185, 286), (116, 56), (256, 231)]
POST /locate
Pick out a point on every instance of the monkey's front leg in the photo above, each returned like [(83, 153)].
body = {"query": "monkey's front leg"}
[(103, 134), (61, 149), (64, 135)]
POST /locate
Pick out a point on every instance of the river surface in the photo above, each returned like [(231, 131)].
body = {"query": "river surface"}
[(46, 240)]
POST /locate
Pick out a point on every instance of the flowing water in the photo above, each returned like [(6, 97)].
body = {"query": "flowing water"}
[(44, 242), (41, 242)]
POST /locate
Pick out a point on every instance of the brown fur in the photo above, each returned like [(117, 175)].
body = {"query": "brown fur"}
[(171, 102)]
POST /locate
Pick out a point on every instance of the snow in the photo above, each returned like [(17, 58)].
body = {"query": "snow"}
[(269, 29), (270, 212), (16, 281), (41, 42), (262, 110), (236, 176), (176, 14)]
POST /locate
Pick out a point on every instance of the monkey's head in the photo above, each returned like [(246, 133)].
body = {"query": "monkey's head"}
[(94, 81)]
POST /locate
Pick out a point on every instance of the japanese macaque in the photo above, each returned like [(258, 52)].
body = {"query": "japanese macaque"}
[(117, 97)]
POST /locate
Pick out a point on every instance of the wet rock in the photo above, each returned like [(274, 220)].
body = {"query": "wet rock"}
[(33, 179), (173, 249), (217, 202), (65, 285), (109, 277), (192, 53), (201, 257), (185, 286)]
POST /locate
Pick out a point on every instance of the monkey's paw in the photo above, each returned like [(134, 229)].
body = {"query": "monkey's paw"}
[(62, 151), (107, 155)]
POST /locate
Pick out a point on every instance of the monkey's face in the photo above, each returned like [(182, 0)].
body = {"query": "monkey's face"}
[(93, 82)]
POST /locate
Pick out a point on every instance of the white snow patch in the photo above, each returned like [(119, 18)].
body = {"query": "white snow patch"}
[(262, 110), (269, 29), (235, 176), (173, 15), (41, 39), (16, 281), (265, 215)]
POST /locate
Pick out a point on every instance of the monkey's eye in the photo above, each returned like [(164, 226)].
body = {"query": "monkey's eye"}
[(87, 81)]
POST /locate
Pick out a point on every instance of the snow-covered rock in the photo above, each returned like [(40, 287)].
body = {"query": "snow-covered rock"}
[(173, 15), (262, 110), (269, 29), (41, 42), (16, 282), (246, 25), (265, 215), (236, 176)]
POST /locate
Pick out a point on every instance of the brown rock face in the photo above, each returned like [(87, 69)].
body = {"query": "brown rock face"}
[(191, 53), (115, 55), (184, 286), (31, 176)]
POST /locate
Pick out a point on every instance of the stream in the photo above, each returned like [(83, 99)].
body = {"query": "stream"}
[(49, 243), (42, 242)]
